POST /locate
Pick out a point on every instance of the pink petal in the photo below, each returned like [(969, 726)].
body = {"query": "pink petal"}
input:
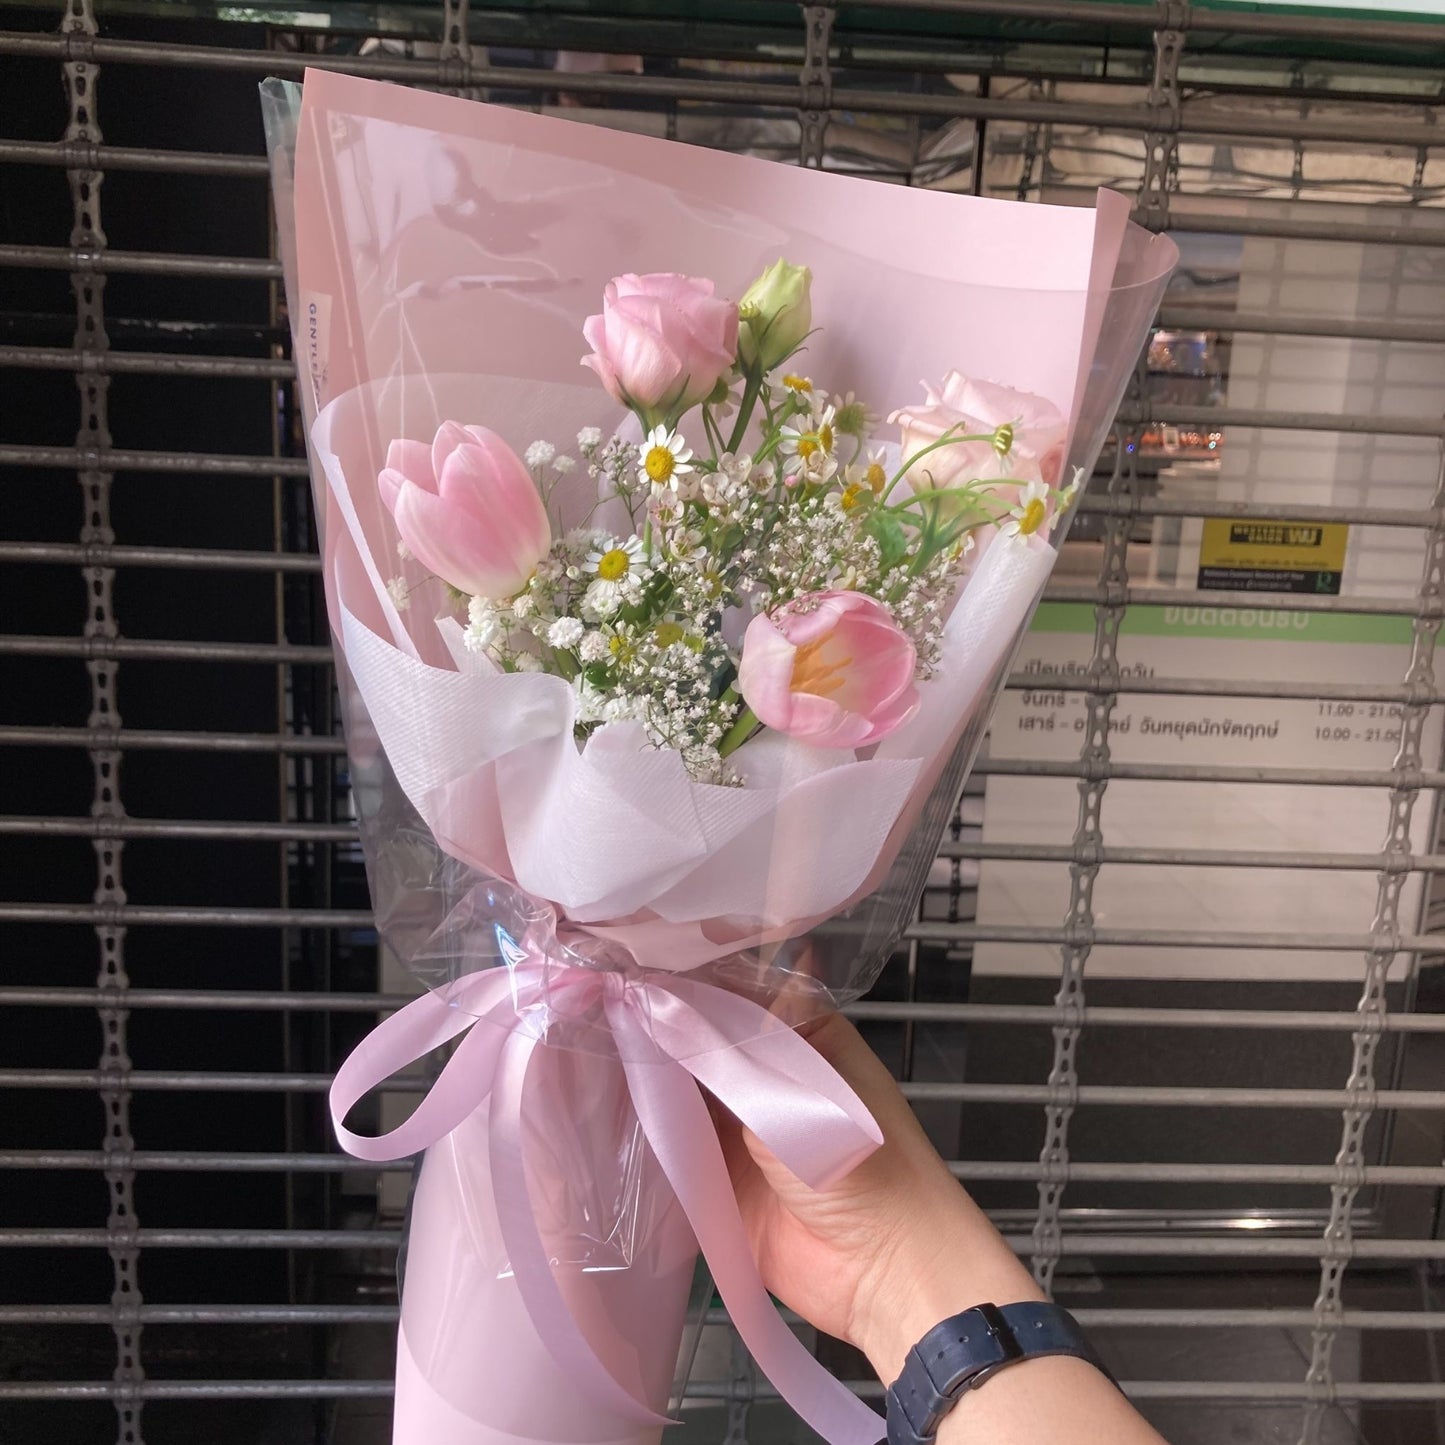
[(427, 527), (389, 483), (605, 374), (496, 501), (411, 459), (995, 404), (889, 719), (450, 435), (765, 673), (647, 368), (882, 666), (953, 392), (801, 627), (729, 338), (594, 332), (640, 310), (713, 327), (821, 722)]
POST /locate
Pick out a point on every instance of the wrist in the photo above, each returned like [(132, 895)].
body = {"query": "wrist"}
[(946, 1260)]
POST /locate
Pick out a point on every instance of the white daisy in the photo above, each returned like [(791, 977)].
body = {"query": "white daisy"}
[(616, 571), (871, 474), (620, 640), (732, 398), (1029, 513), (663, 458), (812, 444), (818, 467), (852, 417)]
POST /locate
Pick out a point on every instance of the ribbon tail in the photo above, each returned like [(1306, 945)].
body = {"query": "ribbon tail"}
[(408, 1035), (681, 1134), (773, 1079), (536, 1284)]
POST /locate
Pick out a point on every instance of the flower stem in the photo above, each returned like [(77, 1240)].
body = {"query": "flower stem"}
[(714, 436), (746, 724), (749, 399), (944, 441)]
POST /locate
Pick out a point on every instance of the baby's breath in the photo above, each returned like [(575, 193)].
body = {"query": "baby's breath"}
[(635, 620)]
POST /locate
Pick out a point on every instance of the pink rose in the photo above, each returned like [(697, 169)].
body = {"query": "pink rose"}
[(467, 508), (661, 343), (970, 408), (832, 669)]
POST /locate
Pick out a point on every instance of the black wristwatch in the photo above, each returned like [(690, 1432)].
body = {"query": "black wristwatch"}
[(963, 1352)]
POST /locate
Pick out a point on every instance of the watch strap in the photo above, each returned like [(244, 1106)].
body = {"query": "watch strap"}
[(963, 1352)]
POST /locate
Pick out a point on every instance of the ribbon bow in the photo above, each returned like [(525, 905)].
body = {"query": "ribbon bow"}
[(672, 1034)]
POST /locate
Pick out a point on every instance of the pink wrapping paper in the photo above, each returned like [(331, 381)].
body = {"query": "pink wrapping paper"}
[(440, 258)]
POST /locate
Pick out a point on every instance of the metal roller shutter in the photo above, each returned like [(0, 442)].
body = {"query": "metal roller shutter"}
[(1218, 1139)]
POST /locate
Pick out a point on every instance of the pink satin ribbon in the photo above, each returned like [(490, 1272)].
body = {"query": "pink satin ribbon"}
[(672, 1034)]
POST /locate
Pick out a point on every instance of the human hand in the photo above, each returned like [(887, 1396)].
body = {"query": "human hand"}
[(887, 1252)]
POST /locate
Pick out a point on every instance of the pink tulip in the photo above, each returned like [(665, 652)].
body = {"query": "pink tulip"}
[(467, 508), (971, 408), (662, 343), (832, 669)]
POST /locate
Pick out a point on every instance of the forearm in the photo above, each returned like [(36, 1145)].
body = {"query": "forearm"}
[(950, 1259), (955, 1259), (1053, 1401)]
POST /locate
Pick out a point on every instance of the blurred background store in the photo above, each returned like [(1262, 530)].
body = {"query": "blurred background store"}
[(1173, 1004)]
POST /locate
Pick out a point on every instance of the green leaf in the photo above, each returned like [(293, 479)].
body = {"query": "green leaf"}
[(892, 540)]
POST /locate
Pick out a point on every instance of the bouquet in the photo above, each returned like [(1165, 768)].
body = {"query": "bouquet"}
[(669, 617)]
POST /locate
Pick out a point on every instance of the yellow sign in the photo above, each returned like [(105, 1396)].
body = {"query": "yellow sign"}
[(1270, 556)]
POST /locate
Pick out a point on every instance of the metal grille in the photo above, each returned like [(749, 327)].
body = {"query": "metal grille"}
[(233, 964)]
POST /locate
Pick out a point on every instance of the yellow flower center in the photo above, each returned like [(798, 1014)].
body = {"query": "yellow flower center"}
[(818, 670), (1003, 439), (876, 477), (613, 565), (667, 633), (851, 493), (797, 383), (659, 464), (1032, 518), (825, 436), (807, 447)]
